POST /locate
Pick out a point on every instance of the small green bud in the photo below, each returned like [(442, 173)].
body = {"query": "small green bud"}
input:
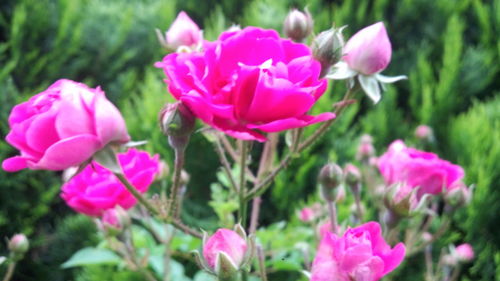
[(298, 25), (177, 122), (330, 177), (327, 48), (18, 245)]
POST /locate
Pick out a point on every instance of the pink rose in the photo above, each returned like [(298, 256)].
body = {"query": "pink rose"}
[(62, 126), (369, 50), (361, 254), (96, 189), (249, 81), (183, 32), (464, 252), (406, 165), (224, 241)]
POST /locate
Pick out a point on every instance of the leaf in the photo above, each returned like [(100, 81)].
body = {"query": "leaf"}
[(92, 256)]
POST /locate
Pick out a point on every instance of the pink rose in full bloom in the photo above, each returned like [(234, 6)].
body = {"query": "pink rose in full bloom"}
[(247, 82), (183, 32), (425, 170), (224, 241), (361, 254), (62, 126), (96, 189), (369, 50), (464, 252)]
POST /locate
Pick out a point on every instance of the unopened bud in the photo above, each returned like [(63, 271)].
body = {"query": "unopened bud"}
[(163, 172), (177, 122), (424, 133), (353, 178), (330, 177), (298, 25), (327, 48), (458, 195), (365, 149), (18, 245), (113, 221), (464, 252)]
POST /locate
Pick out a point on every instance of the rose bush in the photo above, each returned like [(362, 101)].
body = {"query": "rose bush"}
[(361, 254), (248, 81), (62, 126), (96, 189)]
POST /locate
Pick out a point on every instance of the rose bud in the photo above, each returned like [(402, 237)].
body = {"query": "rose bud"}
[(424, 133), (464, 252), (353, 178), (182, 32), (307, 214), (225, 252), (177, 122), (62, 127), (458, 195), (298, 25), (327, 48), (330, 177), (365, 149), (18, 246), (113, 221)]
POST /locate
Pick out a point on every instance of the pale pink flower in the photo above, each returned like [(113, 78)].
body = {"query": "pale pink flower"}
[(183, 32), (464, 252), (247, 82), (307, 214), (418, 169), (96, 189), (62, 126), (361, 254), (228, 242)]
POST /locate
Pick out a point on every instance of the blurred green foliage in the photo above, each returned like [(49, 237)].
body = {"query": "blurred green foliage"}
[(449, 49)]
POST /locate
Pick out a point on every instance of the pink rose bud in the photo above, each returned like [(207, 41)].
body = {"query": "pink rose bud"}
[(225, 243), (330, 177), (365, 149), (464, 252), (360, 254), (18, 245), (401, 199), (298, 25), (327, 48), (183, 32), (114, 220), (424, 133), (369, 50), (62, 126), (244, 93), (458, 195), (307, 214), (415, 168), (96, 189)]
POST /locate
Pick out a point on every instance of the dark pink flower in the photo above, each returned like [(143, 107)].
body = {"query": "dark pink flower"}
[(361, 254), (228, 242), (96, 189), (249, 81), (62, 126), (425, 170)]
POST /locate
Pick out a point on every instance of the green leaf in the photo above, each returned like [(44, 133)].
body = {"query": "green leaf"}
[(92, 256)]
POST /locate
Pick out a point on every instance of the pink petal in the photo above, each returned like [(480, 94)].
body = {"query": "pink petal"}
[(68, 152), (109, 123), (73, 119), (291, 123), (14, 164)]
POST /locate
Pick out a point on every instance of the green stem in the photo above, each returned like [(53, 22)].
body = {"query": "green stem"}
[(225, 164), (175, 222), (10, 271), (179, 163), (332, 213), (242, 213)]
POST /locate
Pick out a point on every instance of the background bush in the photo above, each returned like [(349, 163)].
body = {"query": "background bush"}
[(449, 49)]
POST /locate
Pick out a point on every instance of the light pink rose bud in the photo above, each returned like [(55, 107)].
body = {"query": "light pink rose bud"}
[(365, 149), (183, 32), (424, 133), (226, 242), (18, 245), (369, 50), (62, 127), (307, 214), (464, 252), (298, 25), (113, 221), (458, 195)]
